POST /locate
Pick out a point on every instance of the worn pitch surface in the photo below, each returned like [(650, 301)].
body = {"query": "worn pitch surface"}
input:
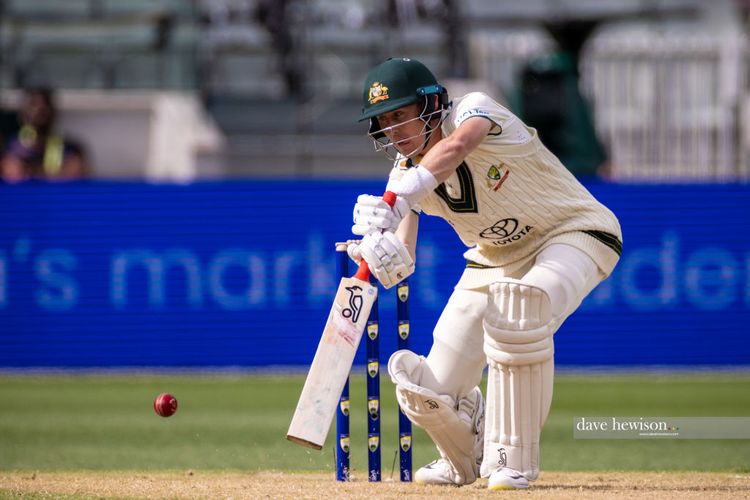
[(188, 484)]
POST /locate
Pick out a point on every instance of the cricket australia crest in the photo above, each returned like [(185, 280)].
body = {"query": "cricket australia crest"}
[(378, 92), (496, 176), (403, 292), (372, 331), (344, 444), (373, 408), (403, 330), (405, 442), (373, 442)]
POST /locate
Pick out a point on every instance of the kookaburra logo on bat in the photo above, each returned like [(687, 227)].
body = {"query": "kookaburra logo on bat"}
[(355, 303)]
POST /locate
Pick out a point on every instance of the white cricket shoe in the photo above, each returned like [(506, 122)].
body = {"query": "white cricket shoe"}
[(507, 479), (438, 472)]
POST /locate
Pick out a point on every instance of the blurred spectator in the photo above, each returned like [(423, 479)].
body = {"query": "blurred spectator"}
[(273, 14), (39, 151), (8, 127), (549, 100), (403, 14)]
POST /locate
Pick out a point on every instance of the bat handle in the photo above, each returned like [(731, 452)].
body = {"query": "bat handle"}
[(363, 273), (390, 198)]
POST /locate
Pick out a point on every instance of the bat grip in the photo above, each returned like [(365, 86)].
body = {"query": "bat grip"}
[(390, 198), (363, 273)]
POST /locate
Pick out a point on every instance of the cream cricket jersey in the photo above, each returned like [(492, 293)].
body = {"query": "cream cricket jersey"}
[(511, 197)]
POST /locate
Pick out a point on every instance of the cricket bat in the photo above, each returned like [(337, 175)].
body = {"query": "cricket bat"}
[(334, 357)]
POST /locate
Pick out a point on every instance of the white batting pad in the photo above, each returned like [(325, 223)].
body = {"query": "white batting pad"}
[(519, 349), (518, 401), (455, 428)]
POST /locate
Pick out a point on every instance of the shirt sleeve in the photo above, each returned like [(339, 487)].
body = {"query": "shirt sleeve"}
[(478, 104), (507, 126)]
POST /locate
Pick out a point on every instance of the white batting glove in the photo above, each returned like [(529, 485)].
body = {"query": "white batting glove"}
[(352, 250), (387, 257), (372, 214)]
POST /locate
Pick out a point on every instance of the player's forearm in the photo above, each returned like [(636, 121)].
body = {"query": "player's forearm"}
[(445, 156), (441, 161), (407, 233)]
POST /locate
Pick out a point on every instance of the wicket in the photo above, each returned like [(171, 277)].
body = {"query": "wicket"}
[(373, 391)]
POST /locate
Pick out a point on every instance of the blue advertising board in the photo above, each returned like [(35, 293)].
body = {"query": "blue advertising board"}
[(242, 274)]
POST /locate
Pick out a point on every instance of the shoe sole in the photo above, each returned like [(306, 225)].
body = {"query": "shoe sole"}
[(501, 487), (426, 483)]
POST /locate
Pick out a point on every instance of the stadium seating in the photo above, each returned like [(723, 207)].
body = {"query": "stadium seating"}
[(221, 50)]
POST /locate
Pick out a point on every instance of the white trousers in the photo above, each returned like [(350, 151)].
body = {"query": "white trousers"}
[(456, 360)]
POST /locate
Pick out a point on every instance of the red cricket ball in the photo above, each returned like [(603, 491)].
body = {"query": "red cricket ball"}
[(165, 405)]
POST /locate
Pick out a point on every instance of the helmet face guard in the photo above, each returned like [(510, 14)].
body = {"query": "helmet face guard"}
[(430, 111)]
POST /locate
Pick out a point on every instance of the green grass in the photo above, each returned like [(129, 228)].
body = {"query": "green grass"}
[(107, 422), (682, 395)]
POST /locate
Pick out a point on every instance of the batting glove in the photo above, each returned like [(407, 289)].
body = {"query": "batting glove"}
[(372, 214), (352, 250), (387, 257)]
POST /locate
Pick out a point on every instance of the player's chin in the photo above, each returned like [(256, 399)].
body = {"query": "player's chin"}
[(404, 147)]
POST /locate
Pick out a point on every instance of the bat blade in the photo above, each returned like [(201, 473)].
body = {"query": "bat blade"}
[(332, 363)]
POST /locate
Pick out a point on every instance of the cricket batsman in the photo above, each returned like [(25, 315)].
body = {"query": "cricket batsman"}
[(538, 243)]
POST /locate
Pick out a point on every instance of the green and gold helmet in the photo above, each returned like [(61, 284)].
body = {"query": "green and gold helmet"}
[(398, 82), (393, 84)]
